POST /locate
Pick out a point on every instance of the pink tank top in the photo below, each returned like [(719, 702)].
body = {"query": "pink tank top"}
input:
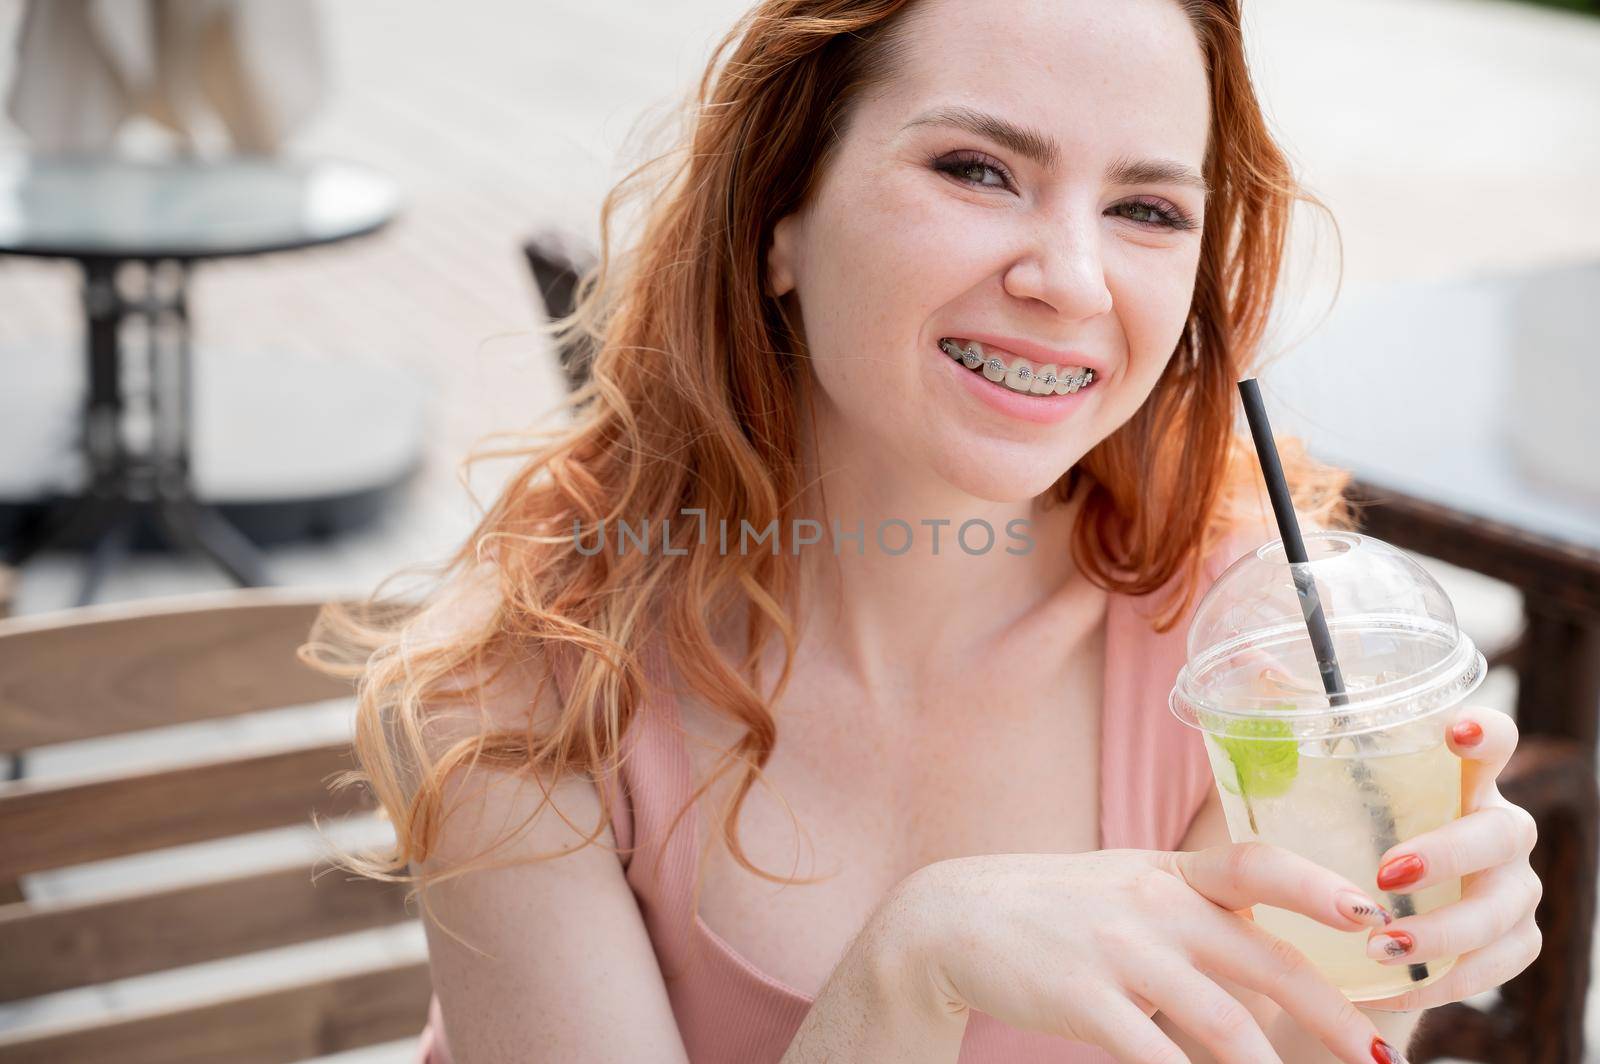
[(1154, 778)]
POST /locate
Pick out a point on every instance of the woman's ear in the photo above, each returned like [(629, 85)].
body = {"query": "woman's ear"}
[(781, 257)]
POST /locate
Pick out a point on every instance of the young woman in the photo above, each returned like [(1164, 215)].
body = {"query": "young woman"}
[(919, 378)]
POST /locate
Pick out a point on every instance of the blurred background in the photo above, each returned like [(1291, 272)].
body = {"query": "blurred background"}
[(296, 251)]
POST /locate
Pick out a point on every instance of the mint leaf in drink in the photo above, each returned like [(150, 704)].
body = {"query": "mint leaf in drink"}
[(1265, 756)]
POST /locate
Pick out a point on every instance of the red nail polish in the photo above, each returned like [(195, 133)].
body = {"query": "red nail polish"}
[(1390, 945), (1400, 872), (1466, 732), (1384, 1053)]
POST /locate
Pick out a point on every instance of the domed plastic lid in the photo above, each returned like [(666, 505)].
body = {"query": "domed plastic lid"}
[(1398, 647)]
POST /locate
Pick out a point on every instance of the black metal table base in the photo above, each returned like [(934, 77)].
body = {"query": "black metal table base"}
[(127, 478), (111, 524)]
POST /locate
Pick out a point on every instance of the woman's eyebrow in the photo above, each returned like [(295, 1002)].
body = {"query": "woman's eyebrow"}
[(1042, 149), (1155, 172), (1025, 142)]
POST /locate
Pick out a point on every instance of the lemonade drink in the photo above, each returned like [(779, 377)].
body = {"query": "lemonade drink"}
[(1304, 796), (1338, 772)]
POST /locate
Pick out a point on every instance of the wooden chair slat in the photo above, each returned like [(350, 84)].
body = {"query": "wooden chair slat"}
[(289, 1024), (116, 938), (80, 674), (49, 826)]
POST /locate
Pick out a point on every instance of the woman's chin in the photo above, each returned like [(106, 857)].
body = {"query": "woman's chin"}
[(1001, 475)]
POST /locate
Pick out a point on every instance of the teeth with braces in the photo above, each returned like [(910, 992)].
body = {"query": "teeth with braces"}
[(994, 369)]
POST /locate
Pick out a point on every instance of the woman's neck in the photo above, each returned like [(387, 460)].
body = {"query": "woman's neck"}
[(894, 623)]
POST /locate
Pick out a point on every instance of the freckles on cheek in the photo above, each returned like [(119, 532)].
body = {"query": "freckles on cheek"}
[(874, 276), (872, 240), (1155, 306)]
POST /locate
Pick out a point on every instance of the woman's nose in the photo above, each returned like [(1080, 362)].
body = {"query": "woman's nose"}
[(1062, 268)]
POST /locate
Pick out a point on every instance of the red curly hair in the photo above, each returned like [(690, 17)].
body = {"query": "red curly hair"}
[(684, 411)]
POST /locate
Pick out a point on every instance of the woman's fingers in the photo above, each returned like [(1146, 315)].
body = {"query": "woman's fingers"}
[(1473, 973), (1238, 875), (1497, 834), (1484, 740), (1491, 905), (1195, 1003), (1241, 951), (1126, 1033)]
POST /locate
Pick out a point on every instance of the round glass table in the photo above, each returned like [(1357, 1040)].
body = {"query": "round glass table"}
[(166, 217)]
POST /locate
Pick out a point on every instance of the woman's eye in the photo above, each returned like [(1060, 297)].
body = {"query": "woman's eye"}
[(1154, 214), (974, 171)]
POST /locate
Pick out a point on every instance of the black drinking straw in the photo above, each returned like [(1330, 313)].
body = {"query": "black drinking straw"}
[(1305, 586)]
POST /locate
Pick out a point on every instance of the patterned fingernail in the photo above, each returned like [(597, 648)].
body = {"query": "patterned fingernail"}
[(1466, 732), (1384, 1053), (1400, 872), (1390, 945), (1362, 909)]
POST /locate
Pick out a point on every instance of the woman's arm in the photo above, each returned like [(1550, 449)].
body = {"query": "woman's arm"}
[(1289, 1039), (557, 964), (570, 973), (877, 1006)]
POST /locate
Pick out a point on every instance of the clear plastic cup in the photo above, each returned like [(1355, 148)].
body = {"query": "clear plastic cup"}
[(1337, 783)]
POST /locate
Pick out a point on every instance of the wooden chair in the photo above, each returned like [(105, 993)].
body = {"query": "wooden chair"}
[(107, 670), (1538, 1018), (1539, 1015)]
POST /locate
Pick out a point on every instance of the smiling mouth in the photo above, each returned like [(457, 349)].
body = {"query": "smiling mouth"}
[(1015, 372)]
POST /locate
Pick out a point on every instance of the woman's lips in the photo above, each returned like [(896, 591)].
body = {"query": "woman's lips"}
[(1037, 353), (1022, 375), (1038, 409)]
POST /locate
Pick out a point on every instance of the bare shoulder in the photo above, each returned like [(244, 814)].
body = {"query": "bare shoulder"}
[(501, 695), (536, 939), (498, 692)]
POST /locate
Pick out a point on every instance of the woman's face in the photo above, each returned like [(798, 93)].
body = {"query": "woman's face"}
[(1028, 178)]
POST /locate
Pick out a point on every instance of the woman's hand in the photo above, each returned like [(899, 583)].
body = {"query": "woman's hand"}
[(1089, 946), (1491, 928)]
